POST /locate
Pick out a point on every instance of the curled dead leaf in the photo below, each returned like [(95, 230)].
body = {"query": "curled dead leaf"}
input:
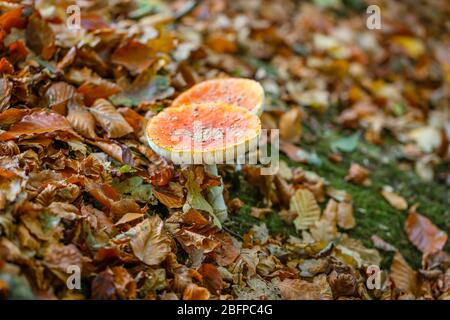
[(150, 243), (424, 234), (110, 119)]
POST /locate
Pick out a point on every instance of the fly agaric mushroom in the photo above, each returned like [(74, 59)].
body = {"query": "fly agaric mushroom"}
[(206, 133), (241, 92)]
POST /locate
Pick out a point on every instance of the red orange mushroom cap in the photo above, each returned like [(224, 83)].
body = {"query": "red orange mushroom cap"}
[(241, 92), (202, 130)]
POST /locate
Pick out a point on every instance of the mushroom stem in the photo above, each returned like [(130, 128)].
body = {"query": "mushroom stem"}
[(215, 195)]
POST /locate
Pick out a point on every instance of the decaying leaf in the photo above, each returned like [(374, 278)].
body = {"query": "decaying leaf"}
[(150, 243), (305, 205), (403, 276)]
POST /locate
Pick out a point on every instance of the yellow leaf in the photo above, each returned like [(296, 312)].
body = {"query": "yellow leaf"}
[(306, 207)]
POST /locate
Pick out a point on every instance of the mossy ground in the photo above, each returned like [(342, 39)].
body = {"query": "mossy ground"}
[(374, 216)]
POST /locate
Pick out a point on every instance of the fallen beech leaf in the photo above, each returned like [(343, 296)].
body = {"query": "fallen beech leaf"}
[(323, 231), (227, 251), (290, 125), (12, 116), (134, 56), (196, 200), (110, 120), (424, 234), (195, 292), (81, 120), (38, 122), (151, 244), (357, 174), (58, 95), (61, 257), (395, 200), (297, 289), (305, 205), (168, 198), (330, 212), (128, 217), (342, 283), (103, 287), (6, 87), (97, 88), (345, 218), (111, 149), (40, 37), (212, 278), (191, 241), (403, 276)]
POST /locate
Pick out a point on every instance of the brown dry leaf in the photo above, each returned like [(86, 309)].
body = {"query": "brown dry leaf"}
[(40, 37), (169, 198), (97, 88), (134, 56), (150, 243), (11, 116), (291, 126), (345, 218), (306, 207), (38, 122), (395, 200), (110, 120), (58, 95), (330, 212), (129, 217), (111, 149), (61, 257), (357, 174), (81, 119), (403, 276), (227, 252), (424, 234), (297, 289), (192, 241), (212, 278), (195, 292)]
